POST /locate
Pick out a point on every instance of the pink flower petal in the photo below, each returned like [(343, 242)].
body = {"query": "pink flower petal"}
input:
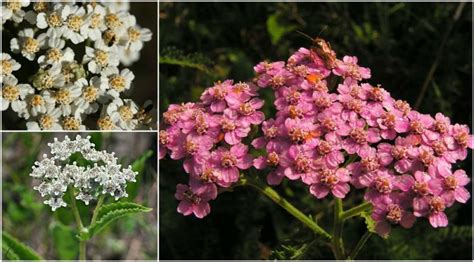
[(461, 195), (405, 182), (420, 207), (239, 150), (185, 207), (402, 126), (218, 106), (274, 178), (290, 174), (202, 209), (259, 142), (470, 142), (231, 138), (438, 219), (319, 191), (373, 135), (260, 162), (340, 190), (245, 162), (408, 219), (461, 177)]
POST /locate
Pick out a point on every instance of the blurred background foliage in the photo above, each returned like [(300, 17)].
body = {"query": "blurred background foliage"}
[(205, 42), (53, 234)]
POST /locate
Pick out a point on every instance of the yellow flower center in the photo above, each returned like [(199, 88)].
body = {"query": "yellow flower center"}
[(30, 45), (74, 22), (68, 74), (54, 20), (71, 123), (46, 81), (451, 182), (11, 93), (40, 6), (101, 57), (14, 5), (36, 100), (6, 67), (63, 96), (90, 94), (125, 113), (54, 54), (112, 21), (117, 82), (105, 123), (46, 122), (95, 21), (133, 34)]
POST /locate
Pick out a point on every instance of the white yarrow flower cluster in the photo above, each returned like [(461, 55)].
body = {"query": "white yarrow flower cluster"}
[(58, 174), (67, 89)]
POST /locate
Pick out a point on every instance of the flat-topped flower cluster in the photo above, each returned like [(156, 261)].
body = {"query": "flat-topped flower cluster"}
[(356, 136), (65, 89), (100, 177)]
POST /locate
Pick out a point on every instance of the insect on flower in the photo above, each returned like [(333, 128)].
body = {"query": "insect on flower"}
[(144, 113), (323, 49)]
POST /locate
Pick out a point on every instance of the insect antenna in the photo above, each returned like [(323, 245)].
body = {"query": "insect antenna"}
[(305, 35), (322, 30)]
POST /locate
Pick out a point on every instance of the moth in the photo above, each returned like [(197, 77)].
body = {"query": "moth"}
[(323, 49), (144, 113)]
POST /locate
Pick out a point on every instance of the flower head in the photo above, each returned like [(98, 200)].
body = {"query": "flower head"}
[(357, 135), (59, 172)]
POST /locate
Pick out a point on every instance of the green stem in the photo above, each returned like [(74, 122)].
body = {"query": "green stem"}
[(439, 54), (80, 226), (351, 159), (82, 250), (360, 244), (273, 195), (75, 211), (338, 244), (97, 207), (355, 211)]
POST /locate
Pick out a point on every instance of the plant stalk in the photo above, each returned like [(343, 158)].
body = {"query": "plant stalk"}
[(273, 195), (360, 244), (82, 250), (439, 54), (80, 226), (337, 243), (355, 211), (75, 211), (97, 207)]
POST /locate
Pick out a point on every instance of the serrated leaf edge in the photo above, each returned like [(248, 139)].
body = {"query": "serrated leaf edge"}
[(8, 240), (119, 210)]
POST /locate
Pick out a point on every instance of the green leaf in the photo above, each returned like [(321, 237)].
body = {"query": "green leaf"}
[(276, 29), (138, 166), (96, 138), (453, 233), (111, 212), (13, 249), (173, 56), (293, 252), (65, 241), (369, 222)]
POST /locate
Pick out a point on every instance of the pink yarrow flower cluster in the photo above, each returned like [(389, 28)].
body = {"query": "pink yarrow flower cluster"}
[(357, 136), (208, 136)]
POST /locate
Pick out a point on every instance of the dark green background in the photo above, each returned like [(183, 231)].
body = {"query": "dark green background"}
[(205, 42)]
